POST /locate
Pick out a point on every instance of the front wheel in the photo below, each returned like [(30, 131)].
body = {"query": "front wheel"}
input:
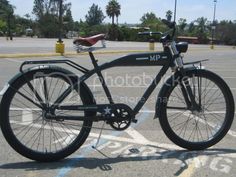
[(190, 128), (23, 120)]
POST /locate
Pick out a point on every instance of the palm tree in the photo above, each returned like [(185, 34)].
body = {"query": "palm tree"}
[(182, 25), (117, 15), (113, 10), (202, 24), (169, 14)]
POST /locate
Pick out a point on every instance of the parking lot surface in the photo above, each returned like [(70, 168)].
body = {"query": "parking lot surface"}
[(142, 149)]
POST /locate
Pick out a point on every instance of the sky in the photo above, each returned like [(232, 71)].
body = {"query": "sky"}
[(133, 10)]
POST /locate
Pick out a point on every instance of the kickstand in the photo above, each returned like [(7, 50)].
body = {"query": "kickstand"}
[(95, 146)]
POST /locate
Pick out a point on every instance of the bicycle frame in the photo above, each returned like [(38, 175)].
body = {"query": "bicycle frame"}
[(165, 59)]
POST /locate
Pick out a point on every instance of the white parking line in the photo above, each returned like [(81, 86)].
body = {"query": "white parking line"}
[(136, 135), (133, 140), (27, 117)]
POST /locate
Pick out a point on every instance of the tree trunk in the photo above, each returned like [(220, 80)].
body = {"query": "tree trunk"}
[(9, 27), (112, 20), (117, 20)]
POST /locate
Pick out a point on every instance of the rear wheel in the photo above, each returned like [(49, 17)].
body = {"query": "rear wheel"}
[(23, 121), (202, 128)]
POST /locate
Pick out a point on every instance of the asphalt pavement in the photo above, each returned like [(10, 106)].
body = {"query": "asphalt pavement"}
[(141, 150)]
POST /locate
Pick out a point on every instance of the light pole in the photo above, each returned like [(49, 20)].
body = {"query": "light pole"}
[(175, 10), (60, 21), (213, 27)]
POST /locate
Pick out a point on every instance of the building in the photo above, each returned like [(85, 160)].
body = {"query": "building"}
[(190, 40)]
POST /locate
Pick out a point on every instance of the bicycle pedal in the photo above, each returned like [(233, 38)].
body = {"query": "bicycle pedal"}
[(134, 120)]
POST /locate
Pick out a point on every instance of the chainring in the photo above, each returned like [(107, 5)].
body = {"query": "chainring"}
[(124, 121)]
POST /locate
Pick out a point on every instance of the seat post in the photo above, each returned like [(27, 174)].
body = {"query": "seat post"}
[(101, 78), (94, 61)]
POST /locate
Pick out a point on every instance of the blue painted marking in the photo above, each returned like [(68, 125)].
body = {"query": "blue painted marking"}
[(68, 166)]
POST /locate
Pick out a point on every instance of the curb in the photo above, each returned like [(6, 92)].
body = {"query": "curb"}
[(22, 55)]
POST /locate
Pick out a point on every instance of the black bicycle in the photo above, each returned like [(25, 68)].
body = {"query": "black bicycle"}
[(47, 111)]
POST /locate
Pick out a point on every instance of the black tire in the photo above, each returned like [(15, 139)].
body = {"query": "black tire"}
[(173, 125), (22, 122)]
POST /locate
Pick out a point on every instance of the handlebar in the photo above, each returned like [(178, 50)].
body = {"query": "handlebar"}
[(150, 33)]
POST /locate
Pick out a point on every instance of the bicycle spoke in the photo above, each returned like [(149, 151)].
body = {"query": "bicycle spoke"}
[(35, 92), (200, 90), (28, 122), (27, 98), (197, 126), (53, 91), (45, 90)]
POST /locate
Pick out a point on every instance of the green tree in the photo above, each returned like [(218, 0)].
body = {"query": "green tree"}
[(169, 15), (42, 7), (23, 23), (82, 27), (226, 32), (3, 14), (48, 26), (191, 29), (4, 7), (68, 21), (76, 26), (182, 25), (202, 29), (7, 14), (47, 12), (3, 27), (27, 16), (30, 22), (113, 10), (150, 20), (39, 9), (201, 24), (95, 15)]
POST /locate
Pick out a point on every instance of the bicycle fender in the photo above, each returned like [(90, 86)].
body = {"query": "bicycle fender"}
[(72, 76), (169, 81)]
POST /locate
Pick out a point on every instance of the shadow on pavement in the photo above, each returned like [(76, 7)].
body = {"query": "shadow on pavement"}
[(105, 164)]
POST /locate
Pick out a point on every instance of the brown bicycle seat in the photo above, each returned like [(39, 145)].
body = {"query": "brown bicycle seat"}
[(89, 41)]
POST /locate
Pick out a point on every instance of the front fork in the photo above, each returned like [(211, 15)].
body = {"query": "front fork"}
[(188, 93)]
